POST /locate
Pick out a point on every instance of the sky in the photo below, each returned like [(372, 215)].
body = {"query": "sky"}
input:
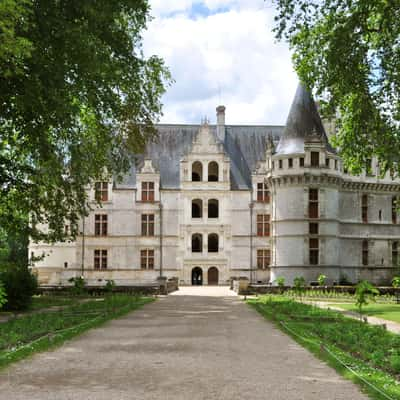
[(221, 52)]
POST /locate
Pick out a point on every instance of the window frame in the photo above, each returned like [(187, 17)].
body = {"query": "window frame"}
[(263, 225), (263, 194), (148, 224), (101, 191), (263, 259), (148, 191), (313, 246), (100, 259), (100, 224), (147, 259)]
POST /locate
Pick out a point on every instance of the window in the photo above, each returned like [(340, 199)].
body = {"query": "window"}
[(290, 162), (314, 251), (262, 193), (147, 224), (213, 208), (197, 171), (313, 203), (147, 259), (364, 208), (313, 228), (327, 162), (213, 172), (147, 191), (395, 254), (197, 208), (197, 243), (100, 224), (301, 161), (280, 164), (101, 191), (100, 259), (394, 210), (263, 258), (336, 164), (213, 243), (65, 264), (380, 215), (263, 225), (365, 252), (315, 159)]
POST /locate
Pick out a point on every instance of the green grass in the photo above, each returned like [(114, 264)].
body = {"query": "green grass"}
[(21, 337), (371, 351), (390, 312), (40, 302)]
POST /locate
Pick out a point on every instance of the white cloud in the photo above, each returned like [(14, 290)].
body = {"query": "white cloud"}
[(227, 55)]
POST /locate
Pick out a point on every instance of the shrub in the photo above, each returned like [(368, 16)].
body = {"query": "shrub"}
[(20, 285), (299, 284), (3, 295), (395, 362), (280, 281), (78, 287), (110, 285), (365, 291), (321, 280), (396, 282)]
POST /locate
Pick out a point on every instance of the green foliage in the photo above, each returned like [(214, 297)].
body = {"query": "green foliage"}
[(3, 295), (77, 97), (396, 282), (110, 285), (299, 284), (280, 281), (367, 348), (348, 52), (78, 288), (20, 285), (322, 280), (395, 362), (53, 328), (365, 292)]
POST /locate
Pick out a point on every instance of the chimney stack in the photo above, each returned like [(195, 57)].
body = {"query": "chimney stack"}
[(221, 123)]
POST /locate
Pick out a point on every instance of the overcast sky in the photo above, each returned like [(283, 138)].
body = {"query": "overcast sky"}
[(221, 52)]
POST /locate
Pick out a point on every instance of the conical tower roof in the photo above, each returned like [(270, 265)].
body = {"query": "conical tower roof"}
[(303, 120)]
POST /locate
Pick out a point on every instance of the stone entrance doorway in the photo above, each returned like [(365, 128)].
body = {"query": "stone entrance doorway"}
[(212, 276), (197, 276)]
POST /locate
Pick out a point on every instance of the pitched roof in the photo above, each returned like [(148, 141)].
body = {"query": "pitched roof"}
[(244, 145), (303, 120)]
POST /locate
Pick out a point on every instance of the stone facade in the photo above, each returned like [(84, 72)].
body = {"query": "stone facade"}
[(227, 201)]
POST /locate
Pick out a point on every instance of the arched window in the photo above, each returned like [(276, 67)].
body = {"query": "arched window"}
[(213, 243), (197, 208), (197, 243), (213, 208), (213, 171), (197, 171)]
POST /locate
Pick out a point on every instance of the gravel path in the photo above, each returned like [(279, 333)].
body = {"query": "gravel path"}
[(179, 348)]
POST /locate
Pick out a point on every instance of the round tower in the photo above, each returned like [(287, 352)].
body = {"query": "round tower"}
[(304, 180)]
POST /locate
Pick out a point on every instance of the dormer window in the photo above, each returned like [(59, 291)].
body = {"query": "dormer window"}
[(147, 191), (213, 172), (101, 191), (263, 195)]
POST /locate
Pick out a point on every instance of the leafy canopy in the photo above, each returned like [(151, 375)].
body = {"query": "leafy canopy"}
[(77, 97), (349, 52)]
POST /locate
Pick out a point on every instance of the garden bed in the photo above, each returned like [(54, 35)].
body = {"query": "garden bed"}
[(370, 351), (20, 337)]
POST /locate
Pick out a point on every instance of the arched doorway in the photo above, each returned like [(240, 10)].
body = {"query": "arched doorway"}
[(197, 276), (212, 276)]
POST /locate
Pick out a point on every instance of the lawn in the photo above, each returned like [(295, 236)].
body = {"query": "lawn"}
[(387, 311), (25, 335), (370, 351)]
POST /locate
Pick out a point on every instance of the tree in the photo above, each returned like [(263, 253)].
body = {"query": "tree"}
[(77, 98), (365, 292), (348, 52)]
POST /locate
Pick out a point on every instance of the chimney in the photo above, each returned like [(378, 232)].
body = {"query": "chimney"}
[(221, 123)]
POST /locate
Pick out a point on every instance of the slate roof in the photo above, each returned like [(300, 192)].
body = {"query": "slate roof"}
[(302, 121), (244, 145)]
